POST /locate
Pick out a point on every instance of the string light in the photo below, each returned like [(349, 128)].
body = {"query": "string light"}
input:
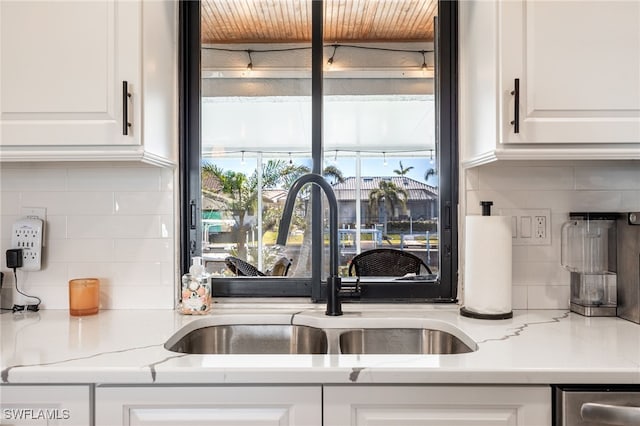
[(242, 159), (431, 156), (423, 67), (250, 64), (290, 160), (384, 156), (424, 63), (335, 157), (330, 61)]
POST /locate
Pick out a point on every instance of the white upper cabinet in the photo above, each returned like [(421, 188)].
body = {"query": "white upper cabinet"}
[(63, 69), (578, 69)]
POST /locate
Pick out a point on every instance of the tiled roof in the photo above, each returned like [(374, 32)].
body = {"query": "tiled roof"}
[(417, 191)]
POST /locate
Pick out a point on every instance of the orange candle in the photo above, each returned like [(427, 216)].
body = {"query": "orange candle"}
[(84, 296)]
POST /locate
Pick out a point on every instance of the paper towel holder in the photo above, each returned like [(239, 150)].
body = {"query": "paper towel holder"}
[(470, 314), (486, 211)]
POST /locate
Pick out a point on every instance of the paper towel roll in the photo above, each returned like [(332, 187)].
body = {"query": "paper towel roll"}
[(487, 273)]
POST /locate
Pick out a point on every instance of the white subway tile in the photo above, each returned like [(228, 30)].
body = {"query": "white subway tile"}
[(471, 179), (540, 273), (144, 226), (525, 178), (519, 297), (548, 297), (6, 224), (167, 226), (143, 203), (86, 236), (76, 203), (630, 201), (143, 250), (114, 178), (9, 203), (82, 250), (595, 200), (125, 274), (30, 179), (620, 176), (55, 228), (131, 297), (53, 297), (52, 274), (101, 270), (167, 179), (524, 254)]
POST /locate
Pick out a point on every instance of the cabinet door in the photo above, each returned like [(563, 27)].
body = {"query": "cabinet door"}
[(578, 63), (45, 405), (62, 64), (209, 406), (436, 406)]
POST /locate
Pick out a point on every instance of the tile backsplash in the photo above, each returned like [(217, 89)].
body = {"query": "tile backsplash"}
[(113, 221), (539, 282)]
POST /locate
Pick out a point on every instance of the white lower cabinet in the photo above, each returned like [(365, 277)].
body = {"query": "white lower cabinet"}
[(45, 405), (209, 406), (437, 406)]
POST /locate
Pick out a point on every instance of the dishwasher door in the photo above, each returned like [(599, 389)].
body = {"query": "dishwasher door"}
[(596, 405)]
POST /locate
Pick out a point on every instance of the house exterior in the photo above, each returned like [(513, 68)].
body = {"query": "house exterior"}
[(421, 201)]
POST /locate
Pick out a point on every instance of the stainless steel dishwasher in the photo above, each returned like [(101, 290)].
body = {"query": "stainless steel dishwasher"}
[(601, 405)]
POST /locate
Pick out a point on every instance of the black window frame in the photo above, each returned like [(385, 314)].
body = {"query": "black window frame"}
[(445, 288)]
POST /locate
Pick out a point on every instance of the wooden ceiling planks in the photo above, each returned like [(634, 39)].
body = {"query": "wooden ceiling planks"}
[(289, 21)]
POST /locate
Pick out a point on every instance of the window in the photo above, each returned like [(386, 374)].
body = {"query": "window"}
[(369, 102)]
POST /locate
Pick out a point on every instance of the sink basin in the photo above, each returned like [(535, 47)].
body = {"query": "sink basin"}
[(401, 341), (252, 339)]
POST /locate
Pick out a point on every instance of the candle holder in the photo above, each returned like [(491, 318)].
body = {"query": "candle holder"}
[(84, 296)]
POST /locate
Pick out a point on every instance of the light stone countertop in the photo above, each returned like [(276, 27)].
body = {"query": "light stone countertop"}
[(127, 347)]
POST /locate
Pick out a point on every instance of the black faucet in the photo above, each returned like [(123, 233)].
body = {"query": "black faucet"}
[(334, 282)]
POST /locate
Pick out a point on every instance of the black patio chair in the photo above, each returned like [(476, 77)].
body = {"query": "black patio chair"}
[(244, 269), (385, 262)]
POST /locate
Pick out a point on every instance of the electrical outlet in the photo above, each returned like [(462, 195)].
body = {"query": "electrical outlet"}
[(37, 213), (27, 235), (532, 226), (540, 228)]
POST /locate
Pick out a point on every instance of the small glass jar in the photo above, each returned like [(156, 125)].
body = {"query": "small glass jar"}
[(84, 296)]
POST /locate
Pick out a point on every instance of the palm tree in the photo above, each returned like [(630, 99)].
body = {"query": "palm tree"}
[(334, 173), (403, 171), (239, 197), (386, 198), (429, 173)]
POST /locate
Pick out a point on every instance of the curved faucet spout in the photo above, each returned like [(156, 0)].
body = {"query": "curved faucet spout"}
[(287, 213), (334, 307)]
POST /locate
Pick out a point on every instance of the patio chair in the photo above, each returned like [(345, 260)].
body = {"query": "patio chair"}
[(245, 269), (280, 268), (242, 268), (385, 262)]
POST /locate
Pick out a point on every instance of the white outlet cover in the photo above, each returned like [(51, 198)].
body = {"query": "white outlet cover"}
[(531, 214)]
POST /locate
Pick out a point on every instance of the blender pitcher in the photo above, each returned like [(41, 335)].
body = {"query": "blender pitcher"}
[(588, 251)]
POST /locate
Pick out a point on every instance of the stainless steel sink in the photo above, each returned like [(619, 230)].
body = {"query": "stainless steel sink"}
[(252, 339), (401, 341)]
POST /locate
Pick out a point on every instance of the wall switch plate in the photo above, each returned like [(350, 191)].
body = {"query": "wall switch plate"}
[(532, 226), (26, 234)]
